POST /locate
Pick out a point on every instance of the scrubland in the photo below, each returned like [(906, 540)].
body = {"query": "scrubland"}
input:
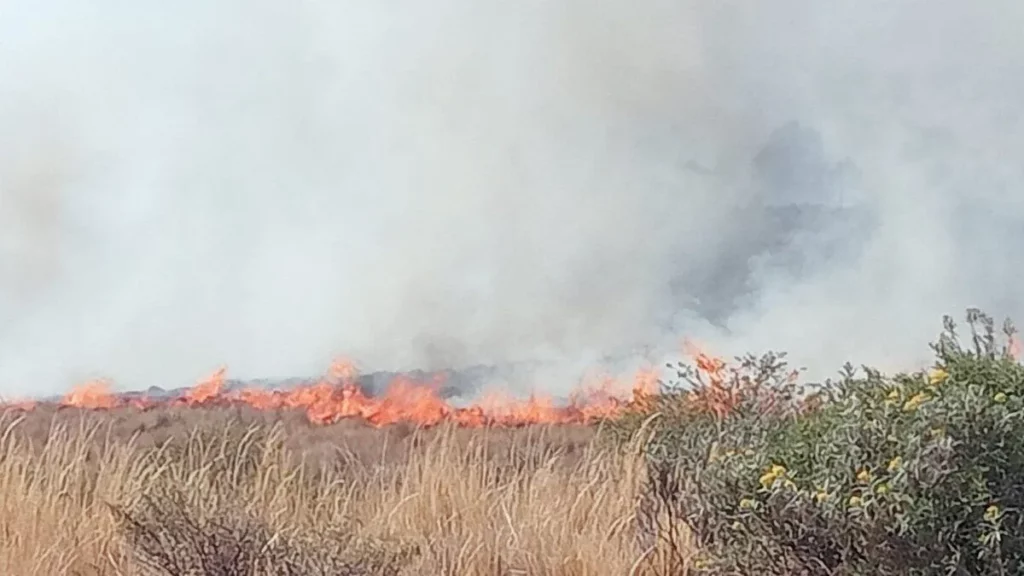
[(734, 468)]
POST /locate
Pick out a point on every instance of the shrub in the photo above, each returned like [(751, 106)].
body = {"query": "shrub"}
[(920, 473), (167, 536), (215, 508)]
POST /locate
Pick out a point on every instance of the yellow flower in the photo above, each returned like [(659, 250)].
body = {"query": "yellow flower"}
[(894, 395), (915, 402), (1000, 398), (737, 526), (937, 376), (992, 513), (854, 501), (882, 488), (864, 476), (747, 504), (895, 464), (789, 484), (821, 496), (773, 474)]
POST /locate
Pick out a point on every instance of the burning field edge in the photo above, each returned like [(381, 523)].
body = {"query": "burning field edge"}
[(341, 395), (630, 476), (342, 481)]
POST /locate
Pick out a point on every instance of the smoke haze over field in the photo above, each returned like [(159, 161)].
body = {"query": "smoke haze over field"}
[(269, 183)]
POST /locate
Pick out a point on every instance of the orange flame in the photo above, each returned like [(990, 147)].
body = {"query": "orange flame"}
[(95, 394), (337, 396), (207, 389), (722, 392), (19, 405)]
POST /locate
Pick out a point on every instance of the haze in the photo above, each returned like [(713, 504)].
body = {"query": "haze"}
[(268, 184)]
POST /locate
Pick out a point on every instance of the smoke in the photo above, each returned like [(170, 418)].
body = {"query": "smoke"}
[(266, 184)]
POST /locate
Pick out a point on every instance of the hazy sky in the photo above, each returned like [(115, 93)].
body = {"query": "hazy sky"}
[(267, 184)]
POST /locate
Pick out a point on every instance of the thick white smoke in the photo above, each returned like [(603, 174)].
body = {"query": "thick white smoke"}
[(268, 183)]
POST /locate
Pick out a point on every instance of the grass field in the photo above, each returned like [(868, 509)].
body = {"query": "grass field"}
[(746, 471), (129, 492)]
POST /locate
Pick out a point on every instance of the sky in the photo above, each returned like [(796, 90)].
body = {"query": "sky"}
[(270, 184)]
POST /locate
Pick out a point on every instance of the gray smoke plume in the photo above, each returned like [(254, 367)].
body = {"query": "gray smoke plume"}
[(267, 184)]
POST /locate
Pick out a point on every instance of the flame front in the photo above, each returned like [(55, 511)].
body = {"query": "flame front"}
[(95, 394), (337, 396), (719, 390)]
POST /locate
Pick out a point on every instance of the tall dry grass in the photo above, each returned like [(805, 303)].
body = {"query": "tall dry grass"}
[(78, 494)]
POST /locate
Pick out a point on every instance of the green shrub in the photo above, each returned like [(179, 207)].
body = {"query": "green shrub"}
[(919, 473)]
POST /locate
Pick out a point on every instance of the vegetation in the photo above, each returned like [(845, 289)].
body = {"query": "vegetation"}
[(735, 469), (918, 473), (222, 492)]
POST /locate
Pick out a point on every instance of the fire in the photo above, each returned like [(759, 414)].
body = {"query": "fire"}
[(207, 389), (95, 395), (21, 405), (721, 388), (337, 396)]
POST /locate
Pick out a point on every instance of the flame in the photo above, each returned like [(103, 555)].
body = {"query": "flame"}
[(95, 394), (337, 396), (717, 394), (207, 389), (19, 405)]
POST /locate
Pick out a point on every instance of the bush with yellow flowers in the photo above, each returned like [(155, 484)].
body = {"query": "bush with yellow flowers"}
[(915, 474)]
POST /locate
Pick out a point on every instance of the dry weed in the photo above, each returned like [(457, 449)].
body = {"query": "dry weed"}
[(243, 494)]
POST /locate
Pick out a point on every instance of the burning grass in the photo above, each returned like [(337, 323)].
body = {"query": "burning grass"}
[(237, 490), (736, 468), (338, 396)]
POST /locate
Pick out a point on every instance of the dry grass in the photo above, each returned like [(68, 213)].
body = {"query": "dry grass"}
[(109, 493)]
